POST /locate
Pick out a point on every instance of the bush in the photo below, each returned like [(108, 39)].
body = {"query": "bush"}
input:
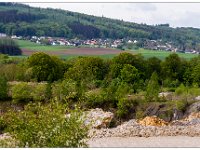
[(87, 68), (194, 91), (2, 124), (64, 90), (45, 67), (25, 92), (39, 92), (181, 105), (3, 88), (94, 100), (47, 126), (153, 88), (181, 90), (22, 92), (123, 107), (139, 114), (12, 72)]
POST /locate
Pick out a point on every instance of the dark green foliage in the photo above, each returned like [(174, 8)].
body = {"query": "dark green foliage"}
[(8, 46), (171, 67), (152, 88), (124, 58), (45, 67), (181, 105), (196, 75), (129, 74), (3, 88), (124, 107), (87, 68), (153, 65)]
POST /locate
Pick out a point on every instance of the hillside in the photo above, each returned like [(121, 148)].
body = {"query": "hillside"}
[(23, 20)]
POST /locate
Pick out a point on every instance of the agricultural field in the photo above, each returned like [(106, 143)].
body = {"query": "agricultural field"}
[(161, 54), (67, 52)]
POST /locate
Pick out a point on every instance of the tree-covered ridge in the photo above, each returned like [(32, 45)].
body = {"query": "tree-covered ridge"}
[(30, 21)]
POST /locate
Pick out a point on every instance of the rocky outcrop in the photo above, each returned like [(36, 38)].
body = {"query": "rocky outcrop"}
[(166, 95), (97, 118), (195, 107)]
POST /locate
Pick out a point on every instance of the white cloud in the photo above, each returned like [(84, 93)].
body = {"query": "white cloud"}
[(176, 14)]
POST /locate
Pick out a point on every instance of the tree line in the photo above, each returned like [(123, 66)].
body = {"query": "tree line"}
[(10, 47)]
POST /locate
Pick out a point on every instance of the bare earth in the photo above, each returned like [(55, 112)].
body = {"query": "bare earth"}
[(77, 51), (162, 141)]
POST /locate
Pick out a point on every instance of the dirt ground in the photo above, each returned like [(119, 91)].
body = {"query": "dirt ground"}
[(77, 51), (165, 141)]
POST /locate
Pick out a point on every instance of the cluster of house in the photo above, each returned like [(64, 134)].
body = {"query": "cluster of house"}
[(166, 46), (104, 43)]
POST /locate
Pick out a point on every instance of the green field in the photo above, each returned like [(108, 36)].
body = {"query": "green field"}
[(161, 54), (146, 53), (34, 46)]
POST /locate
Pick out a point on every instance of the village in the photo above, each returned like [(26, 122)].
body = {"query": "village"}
[(122, 44)]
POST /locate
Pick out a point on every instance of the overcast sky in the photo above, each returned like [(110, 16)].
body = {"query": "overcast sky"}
[(176, 14)]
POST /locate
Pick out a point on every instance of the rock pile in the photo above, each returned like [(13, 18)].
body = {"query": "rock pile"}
[(193, 116), (98, 118), (152, 121), (145, 128)]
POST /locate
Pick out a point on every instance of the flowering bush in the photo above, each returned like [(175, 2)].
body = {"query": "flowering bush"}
[(40, 125)]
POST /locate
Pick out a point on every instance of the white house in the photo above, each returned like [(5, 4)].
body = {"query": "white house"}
[(13, 37), (3, 35)]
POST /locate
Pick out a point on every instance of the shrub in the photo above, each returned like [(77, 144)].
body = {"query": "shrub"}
[(194, 91), (139, 114), (64, 90), (39, 92), (181, 105), (22, 92), (3, 88), (123, 107), (45, 67), (129, 74), (2, 124), (94, 100), (13, 72), (47, 126), (87, 68), (181, 90), (153, 88)]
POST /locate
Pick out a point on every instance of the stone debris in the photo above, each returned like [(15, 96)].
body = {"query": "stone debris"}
[(152, 121), (98, 118), (164, 94), (193, 108), (193, 116), (197, 98), (4, 136), (146, 128)]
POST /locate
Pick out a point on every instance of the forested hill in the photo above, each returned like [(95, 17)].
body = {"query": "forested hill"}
[(23, 20)]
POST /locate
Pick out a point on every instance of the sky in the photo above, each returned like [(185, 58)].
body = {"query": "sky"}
[(176, 14)]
